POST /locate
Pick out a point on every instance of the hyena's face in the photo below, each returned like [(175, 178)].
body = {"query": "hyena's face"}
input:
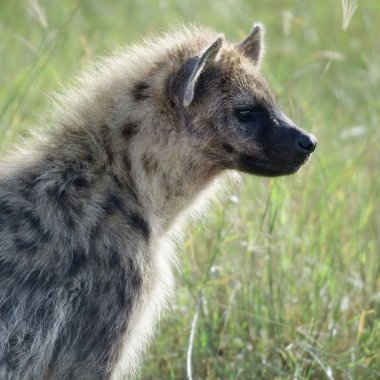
[(235, 117)]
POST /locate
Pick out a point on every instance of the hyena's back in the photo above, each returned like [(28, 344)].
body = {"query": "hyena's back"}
[(69, 271)]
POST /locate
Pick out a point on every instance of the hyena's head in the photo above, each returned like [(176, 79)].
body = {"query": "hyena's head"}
[(231, 114)]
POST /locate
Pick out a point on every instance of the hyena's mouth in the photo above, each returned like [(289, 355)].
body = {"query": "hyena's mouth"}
[(250, 164)]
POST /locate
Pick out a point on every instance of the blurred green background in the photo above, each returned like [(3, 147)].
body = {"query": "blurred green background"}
[(283, 279)]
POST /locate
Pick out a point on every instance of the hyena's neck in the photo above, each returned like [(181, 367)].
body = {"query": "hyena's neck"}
[(169, 176)]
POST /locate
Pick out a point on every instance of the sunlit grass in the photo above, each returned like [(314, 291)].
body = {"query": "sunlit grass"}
[(284, 279)]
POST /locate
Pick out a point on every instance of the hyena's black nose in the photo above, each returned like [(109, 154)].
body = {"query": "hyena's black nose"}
[(306, 143)]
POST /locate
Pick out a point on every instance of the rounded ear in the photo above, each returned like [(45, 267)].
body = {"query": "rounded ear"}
[(253, 46), (195, 67)]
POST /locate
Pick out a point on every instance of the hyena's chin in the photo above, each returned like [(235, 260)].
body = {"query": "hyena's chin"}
[(252, 165)]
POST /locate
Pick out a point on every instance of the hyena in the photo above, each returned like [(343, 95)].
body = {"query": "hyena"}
[(88, 206)]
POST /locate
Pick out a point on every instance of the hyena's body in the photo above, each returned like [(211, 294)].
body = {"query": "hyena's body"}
[(86, 211)]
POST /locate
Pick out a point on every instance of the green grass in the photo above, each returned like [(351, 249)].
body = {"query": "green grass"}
[(284, 280)]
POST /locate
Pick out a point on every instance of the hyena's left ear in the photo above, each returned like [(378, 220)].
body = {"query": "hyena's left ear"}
[(253, 46), (197, 65)]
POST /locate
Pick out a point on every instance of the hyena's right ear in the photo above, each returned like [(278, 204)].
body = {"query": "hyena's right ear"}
[(196, 66)]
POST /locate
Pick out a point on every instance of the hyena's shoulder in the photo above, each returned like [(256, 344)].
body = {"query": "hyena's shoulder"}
[(70, 260)]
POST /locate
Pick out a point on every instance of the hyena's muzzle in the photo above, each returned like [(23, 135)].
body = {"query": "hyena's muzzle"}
[(276, 145)]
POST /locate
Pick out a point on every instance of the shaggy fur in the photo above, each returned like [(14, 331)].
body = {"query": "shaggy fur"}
[(87, 208)]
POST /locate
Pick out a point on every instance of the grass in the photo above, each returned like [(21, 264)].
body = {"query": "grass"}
[(283, 280)]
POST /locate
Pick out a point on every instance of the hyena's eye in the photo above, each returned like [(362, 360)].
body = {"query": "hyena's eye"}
[(247, 114)]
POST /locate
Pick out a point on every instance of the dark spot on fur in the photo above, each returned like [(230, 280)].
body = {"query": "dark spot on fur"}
[(107, 142), (5, 209), (29, 183), (33, 220), (121, 293), (64, 194), (7, 269), (150, 164), (25, 246), (141, 91), (228, 148), (127, 185), (45, 236), (117, 181), (69, 220), (67, 174), (6, 308), (139, 223), (73, 176), (114, 259), (57, 193), (129, 282), (96, 231), (127, 164), (35, 224), (14, 224), (129, 130), (78, 261), (5, 212), (81, 182), (172, 89), (112, 204), (26, 221), (89, 158)]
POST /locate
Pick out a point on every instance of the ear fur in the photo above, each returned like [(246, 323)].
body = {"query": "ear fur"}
[(253, 46), (201, 62)]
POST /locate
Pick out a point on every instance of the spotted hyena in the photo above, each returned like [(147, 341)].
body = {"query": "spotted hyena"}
[(87, 207)]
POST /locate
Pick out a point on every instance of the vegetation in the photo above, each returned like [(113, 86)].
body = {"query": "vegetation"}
[(283, 280)]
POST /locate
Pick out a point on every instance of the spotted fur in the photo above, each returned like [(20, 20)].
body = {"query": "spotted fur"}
[(88, 208)]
